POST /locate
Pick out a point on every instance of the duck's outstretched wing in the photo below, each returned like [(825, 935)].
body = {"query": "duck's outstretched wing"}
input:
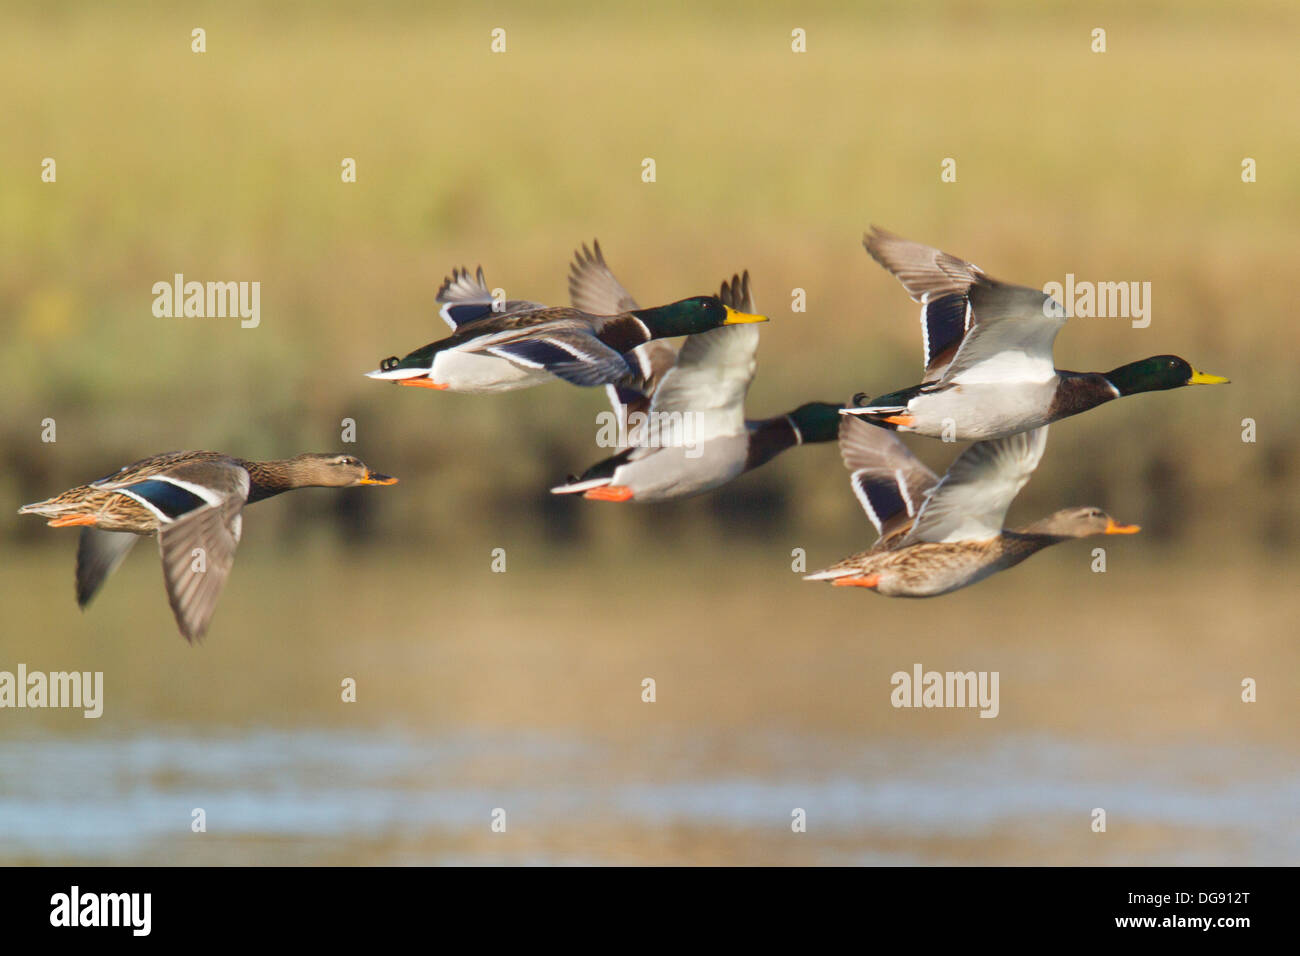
[(466, 299), (1011, 341), (571, 353), (197, 554), (98, 555), (888, 480), (650, 363), (714, 370), (937, 280), (198, 549), (973, 328), (970, 503), (593, 287)]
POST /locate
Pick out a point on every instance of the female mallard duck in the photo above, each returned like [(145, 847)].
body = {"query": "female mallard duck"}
[(497, 348), (692, 435), (988, 354), (938, 536), (193, 501)]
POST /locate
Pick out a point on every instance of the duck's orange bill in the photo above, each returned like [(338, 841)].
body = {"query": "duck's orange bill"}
[(903, 420), (374, 478), (71, 521), (609, 493), (1113, 528), (863, 581), (422, 383)]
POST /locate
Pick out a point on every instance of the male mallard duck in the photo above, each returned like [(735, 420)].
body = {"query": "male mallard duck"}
[(519, 344), (594, 288), (693, 435), (988, 354), (193, 501), (937, 536)]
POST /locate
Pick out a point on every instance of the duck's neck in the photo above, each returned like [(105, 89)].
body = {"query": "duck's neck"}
[(269, 478), (768, 437), (1012, 547), (806, 425), (1079, 391), (623, 333), (1029, 540)]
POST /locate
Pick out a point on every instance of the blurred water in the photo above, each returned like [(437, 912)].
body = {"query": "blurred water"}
[(129, 799)]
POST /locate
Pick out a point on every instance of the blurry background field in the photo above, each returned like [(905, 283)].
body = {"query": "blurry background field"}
[(1119, 690)]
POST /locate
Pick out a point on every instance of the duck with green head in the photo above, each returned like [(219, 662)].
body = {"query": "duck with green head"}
[(989, 371), (684, 412), (194, 502), (502, 346)]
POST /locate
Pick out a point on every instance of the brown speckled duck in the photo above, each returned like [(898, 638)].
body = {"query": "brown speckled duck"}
[(193, 501), (940, 535)]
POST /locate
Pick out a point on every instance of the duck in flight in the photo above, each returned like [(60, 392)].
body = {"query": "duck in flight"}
[(498, 347), (194, 502), (989, 371), (699, 391), (939, 535)]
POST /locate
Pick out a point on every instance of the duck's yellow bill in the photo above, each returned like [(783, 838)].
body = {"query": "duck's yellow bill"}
[(1205, 378), (1113, 527), (740, 318), (374, 478)]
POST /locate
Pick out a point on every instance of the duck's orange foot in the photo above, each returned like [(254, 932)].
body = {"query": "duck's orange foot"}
[(422, 383), (861, 581), (609, 493), (70, 521), (906, 421)]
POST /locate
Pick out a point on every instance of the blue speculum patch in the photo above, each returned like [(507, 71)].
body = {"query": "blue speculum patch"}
[(171, 500)]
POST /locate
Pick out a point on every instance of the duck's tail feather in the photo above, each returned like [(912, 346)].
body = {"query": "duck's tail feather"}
[(877, 414), (828, 574), (576, 487), (49, 508)]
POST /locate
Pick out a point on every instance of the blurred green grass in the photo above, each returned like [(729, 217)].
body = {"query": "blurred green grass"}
[(225, 165)]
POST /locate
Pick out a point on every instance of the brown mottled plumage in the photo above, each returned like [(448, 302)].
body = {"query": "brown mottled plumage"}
[(928, 569), (938, 536), (193, 501)]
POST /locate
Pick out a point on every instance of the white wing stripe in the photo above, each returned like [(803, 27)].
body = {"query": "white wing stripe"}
[(207, 494), (163, 517), (861, 495), (900, 479)]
